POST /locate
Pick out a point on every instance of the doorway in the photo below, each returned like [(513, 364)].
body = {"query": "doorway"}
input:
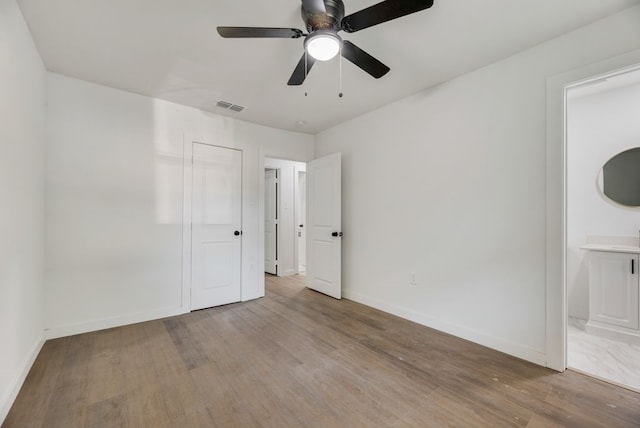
[(309, 220), (284, 216), (601, 121)]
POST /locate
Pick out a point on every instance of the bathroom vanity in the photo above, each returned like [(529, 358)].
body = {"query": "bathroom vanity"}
[(614, 285)]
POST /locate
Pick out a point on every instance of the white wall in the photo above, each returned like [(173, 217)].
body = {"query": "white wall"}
[(599, 126), (450, 184), (22, 136), (114, 202), (287, 227)]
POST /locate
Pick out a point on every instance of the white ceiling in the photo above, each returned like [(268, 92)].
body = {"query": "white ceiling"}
[(170, 49)]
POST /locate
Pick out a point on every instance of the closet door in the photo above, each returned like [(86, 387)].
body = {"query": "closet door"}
[(216, 234)]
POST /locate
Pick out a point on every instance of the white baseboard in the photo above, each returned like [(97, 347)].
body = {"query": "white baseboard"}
[(15, 385), (103, 324), (288, 272), (613, 332), (514, 349)]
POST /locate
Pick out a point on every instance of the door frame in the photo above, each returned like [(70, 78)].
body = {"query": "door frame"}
[(187, 193), (262, 155), (556, 197)]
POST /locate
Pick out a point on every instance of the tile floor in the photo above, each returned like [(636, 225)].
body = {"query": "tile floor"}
[(606, 359)]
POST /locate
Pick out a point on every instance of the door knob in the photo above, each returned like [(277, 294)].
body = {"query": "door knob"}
[(336, 234), (237, 233)]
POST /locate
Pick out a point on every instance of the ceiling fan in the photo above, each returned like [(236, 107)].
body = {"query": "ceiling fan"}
[(323, 19)]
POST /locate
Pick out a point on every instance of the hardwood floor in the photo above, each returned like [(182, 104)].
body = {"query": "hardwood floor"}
[(297, 358)]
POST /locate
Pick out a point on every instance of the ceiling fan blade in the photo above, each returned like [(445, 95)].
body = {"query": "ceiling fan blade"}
[(314, 6), (363, 60), (260, 32), (382, 12), (299, 74)]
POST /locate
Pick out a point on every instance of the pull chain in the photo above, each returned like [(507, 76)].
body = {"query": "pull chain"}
[(340, 73), (305, 70)]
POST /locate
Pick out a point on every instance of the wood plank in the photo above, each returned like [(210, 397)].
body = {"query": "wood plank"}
[(40, 384), (299, 358)]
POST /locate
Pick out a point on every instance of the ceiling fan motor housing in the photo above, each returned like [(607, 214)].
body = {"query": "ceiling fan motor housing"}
[(329, 21)]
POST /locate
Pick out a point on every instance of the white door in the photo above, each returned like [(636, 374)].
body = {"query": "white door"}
[(271, 221), (302, 219), (216, 235), (324, 235)]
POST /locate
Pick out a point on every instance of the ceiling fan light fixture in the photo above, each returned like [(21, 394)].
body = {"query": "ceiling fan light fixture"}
[(323, 45)]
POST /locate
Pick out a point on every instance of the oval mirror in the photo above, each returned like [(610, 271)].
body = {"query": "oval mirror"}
[(620, 178)]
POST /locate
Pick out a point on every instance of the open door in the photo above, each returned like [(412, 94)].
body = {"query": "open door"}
[(271, 221), (301, 220), (324, 235)]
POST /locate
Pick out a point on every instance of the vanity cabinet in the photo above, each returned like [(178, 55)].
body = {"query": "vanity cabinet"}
[(613, 289)]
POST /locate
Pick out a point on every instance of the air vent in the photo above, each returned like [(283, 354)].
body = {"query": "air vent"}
[(230, 106), (223, 104)]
